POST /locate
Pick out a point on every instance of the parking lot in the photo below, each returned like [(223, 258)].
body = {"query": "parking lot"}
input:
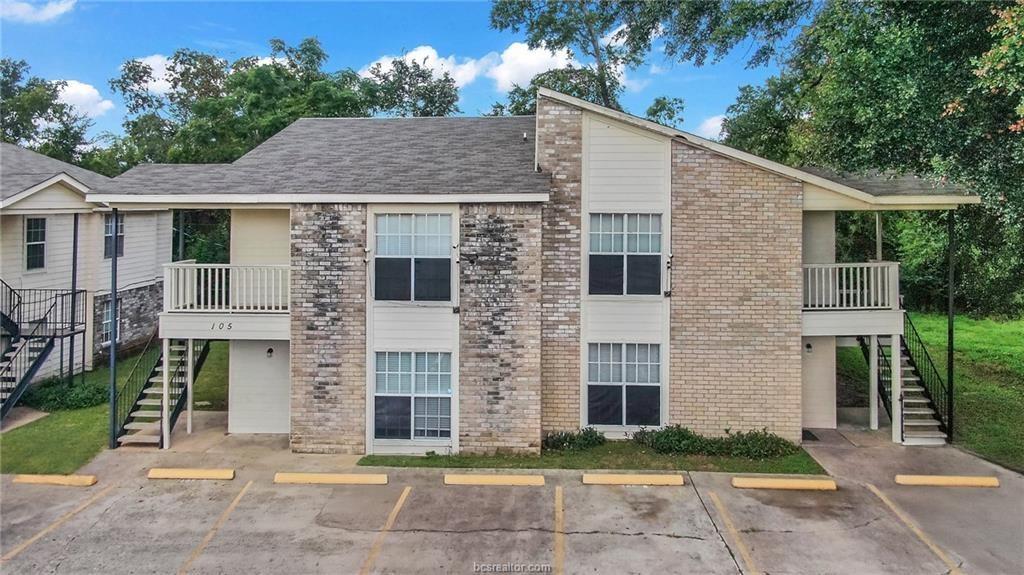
[(129, 524)]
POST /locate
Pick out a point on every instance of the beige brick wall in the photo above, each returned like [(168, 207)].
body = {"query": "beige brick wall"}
[(560, 153), (499, 328), (736, 296), (328, 328)]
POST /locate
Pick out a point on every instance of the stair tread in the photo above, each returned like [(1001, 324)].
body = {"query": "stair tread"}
[(924, 434), (921, 422), (148, 402), (138, 438), (146, 413), (140, 425), (918, 411)]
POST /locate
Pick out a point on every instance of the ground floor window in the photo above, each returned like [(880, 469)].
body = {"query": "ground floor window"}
[(413, 395), (624, 384), (107, 323)]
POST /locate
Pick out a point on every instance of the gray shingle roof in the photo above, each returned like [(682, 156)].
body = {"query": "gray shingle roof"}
[(885, 184), (364, 156), (21, 169)]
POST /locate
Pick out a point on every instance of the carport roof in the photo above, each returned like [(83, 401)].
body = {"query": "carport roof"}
[(367, 156)]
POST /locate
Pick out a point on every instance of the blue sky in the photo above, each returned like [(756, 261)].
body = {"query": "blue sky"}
[(85, 42)]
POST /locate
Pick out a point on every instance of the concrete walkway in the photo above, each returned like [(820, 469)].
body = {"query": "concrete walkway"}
[(19, 416), (984, 528)]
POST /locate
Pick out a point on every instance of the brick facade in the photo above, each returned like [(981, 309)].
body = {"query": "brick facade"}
[(560, 153), (500, 328), (328, 328), (140, 313), (736, 303)]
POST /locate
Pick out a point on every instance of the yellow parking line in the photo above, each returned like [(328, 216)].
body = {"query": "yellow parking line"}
[(213, 530), (379, 541), (60, 521), (68, 480), (949, 480), (631, 479), (748, 561), (466, 479), (559, 532), (954, 569)]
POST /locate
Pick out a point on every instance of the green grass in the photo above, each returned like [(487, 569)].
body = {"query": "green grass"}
[(58, 443), (211, 387), (988, 383), (68, 439), (611, 455)]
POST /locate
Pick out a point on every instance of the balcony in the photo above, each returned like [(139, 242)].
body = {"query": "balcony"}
[(225, 301), (852, 299)]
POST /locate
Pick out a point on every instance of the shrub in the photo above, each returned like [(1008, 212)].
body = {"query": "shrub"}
[(585, 438), (57, 394), (679, 440)]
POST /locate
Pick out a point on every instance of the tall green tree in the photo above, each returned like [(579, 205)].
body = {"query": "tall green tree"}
[(32, 114)]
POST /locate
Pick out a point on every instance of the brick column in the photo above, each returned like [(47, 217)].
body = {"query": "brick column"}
[(328, 328), (736, 304), (560, 153), (499, 328)]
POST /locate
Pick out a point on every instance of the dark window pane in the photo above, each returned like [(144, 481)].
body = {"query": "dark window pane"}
[(604, 404), (107, 243), (643, 405), (120, 246), (392, 279), (644, 275), (392, 418), (35, 256), (606, 275), (35, 230), (433, 279)]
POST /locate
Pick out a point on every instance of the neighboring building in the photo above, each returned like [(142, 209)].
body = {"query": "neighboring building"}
[(40, 200), (469, 284)]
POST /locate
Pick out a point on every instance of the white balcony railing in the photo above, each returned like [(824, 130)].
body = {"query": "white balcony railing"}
[(226, 288), (848, 287)]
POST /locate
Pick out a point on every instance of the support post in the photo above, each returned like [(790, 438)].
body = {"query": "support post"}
[(878, 236), (165, 400), (949, 324), (896, 375), (113, 341), (873, 391), (74, 295), (191, 379)]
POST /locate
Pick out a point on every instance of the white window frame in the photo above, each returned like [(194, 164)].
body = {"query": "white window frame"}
[(37, 243), (374, 234), (108, 227), (413, 395), (627, 218), (623, 364), (105, 325)]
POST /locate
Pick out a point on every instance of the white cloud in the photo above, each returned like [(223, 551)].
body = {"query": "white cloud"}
[(160, 84), (464, 71), (656, 69), (711, 127), (613, 38), (85, 99), (520, 63), (32, 13)]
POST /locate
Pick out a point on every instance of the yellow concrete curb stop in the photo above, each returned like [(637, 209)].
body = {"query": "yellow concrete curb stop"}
[(784, 483), (67, 480), (632, 479), (332, 478), (186, 473), (948, 480), (514, 480)]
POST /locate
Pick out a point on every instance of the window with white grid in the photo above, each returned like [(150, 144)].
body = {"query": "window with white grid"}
[(625, 254), (413, 395), (624, 384), (412, 258), (113, 235)]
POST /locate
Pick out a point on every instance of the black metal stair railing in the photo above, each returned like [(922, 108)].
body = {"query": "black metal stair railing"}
[(884, 374), (935, 389), (128, 395), (10, 304), (21, 366)]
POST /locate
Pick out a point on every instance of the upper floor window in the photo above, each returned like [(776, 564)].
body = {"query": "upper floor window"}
[(413, 257), (35, 243), (625, 254), (109, 235)]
